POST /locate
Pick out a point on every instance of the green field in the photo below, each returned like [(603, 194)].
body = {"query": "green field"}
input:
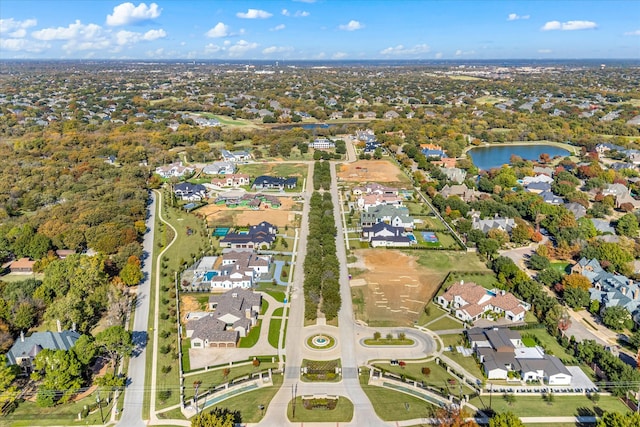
[(438, 377), (446, 261), (491, 100), (252, 337), (549, 343), (444, 324), (487, 281), (468, 363), (274, 332), (532, 406), (391, 405), (343, 413)]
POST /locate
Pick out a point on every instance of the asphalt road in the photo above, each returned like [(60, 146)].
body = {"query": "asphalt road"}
[(134, 392)]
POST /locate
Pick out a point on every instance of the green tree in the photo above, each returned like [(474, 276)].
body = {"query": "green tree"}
[(488, 247), (116, 342), (576, 297), (217, 417), (616, 419), (627, 225), (615, 317), (8, 392), (549, 277), (131, 273), (538, 262), (505, 419), (85, 349), (24, 316), (576, 280), (61, 375)]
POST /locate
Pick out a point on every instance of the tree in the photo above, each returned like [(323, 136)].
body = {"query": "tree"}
[(116, 342), (131, 273), (627, 225), (8, 373), (453, 416), (634, 339), (538, 262), (615, 317), (576, 280), (510, 398), (488, 247), (616, 419), (505, 419), (549, 277), (576, 297), (61, 375), (217, 417)]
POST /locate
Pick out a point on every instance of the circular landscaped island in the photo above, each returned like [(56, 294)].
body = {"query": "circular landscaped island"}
[(321, 342)]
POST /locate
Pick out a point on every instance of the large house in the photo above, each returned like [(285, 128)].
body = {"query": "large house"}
[(265, 182), (432, 150), (392, 215), (470, 302), (239, 270), (322, 144), (190, 192), (456, 175), (610, 289), (25, 349), (174, 170), (621, 194), (219, 168), (375, 188), (484, 225), (259, 236), (502, 351), (367, 201), (235, 156), (382, 234), (234, 314), (22, 266), (461, 190), (231, 180)]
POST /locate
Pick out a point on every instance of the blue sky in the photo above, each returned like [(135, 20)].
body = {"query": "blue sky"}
[(319, 29)]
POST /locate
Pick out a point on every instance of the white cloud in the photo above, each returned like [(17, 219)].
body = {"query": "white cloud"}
[(460, 52), (212, 48), (16, 28), (352, 26), (278, 27), (76, 45), (241, 47), (254, 14), (302, 14), (220, 30), (401, 50), (154, 35), (75, 30), (285, 12), (515, 17), (339, 55), (127, 13), (544, 51), (19, 45), (438, 55), (632, 33), (569, 25), (276, 49)]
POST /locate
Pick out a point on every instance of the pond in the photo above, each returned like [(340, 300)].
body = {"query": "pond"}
[(497, 155)]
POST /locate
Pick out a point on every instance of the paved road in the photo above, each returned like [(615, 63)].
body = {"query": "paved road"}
[(134, 392)]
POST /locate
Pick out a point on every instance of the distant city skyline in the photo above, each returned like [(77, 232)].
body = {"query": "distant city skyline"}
[(320, 30)]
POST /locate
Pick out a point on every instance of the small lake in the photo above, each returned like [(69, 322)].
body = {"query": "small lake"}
[(497, 155)]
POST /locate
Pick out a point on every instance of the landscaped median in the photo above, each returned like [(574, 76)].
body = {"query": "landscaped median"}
[(400, 340), (321, 408)]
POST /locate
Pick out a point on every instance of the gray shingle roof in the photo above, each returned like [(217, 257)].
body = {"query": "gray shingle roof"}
[(51, 340)]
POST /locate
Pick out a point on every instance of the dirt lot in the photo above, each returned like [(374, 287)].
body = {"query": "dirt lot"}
[(189, 303), (222, 215), (393, 287), (380, 171)]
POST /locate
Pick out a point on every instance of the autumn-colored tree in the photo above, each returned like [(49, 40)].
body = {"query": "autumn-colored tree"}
[(453, 416), (576, 280), (131, 273)]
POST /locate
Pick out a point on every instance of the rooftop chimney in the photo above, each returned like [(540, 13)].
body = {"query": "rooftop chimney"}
[(59, 325), (21, 336)]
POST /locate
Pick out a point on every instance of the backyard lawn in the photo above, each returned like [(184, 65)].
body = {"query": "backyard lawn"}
[(549, 343), (252, 337)]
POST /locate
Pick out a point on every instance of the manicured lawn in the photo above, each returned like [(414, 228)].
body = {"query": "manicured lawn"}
[(434, 311), (487, 281), (278, 312), (549, 343), (560, 266), (252, 337), (274, 332), (385, 341), (248, 403), (444, 324), (343, 413), (436, 378), (468, 363), (265, 307), (529, 342), (30, 414), (391, 405), (531, 406), (445, 261), (276, 169), (213, 378)]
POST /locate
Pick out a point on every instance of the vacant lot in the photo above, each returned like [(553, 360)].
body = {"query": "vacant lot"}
[(276, 169), (381, 171), (391, 287), (222, 215)]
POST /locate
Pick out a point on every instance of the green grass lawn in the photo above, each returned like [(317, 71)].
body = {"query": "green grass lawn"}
[(385, 341), (274, 332), (248, 403), (531, 406), (252, 337), (528, 342), (276, 291), (444, 324), (434, 311), (343, 413), (549, 344), (213, 378), (265, 307), (437, 378), (487, 281), (446, 261), (391, 405), (560, 266), (278, 312), (468, 363), (276, 169), (30, 414)]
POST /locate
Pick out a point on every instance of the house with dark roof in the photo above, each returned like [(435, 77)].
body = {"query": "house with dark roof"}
[(461, 190), (265, 182), (501, 351), (233, 315), (25, 349), (577, 209), (190, 192), (235, 156), (550, 198), (383, 234), (259, 236), (397, 216), (484, 225)]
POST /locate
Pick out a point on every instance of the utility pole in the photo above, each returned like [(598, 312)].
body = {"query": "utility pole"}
[(100, 405)]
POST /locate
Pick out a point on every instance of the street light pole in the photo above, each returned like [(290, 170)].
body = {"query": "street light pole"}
[(100, 406)]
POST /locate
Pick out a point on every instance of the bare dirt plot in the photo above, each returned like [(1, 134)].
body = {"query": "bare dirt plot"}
[(381, 171), (396, 286), (188, 303), (222, 215)]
